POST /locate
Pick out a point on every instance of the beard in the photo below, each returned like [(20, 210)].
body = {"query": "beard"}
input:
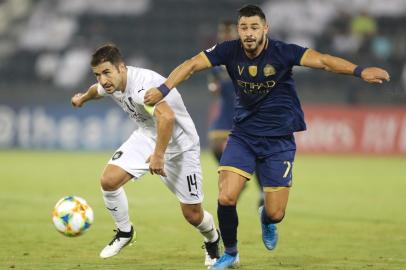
[(109, 88), (255, 46)]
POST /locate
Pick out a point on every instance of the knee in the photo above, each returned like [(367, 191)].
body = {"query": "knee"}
[(227, 199), (193, 217), (109, 182), (275, 215)]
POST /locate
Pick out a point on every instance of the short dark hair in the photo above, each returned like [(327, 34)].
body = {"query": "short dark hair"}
[(250, 11), (107, 53)]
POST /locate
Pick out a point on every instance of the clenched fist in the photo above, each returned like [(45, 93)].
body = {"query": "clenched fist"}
[(77, 100), (375, 75)]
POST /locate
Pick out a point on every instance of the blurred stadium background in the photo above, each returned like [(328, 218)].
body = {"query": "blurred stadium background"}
[(347, 211), (46, 46)]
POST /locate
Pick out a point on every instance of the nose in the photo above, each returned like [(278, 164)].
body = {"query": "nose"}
[(102, 79), (248, 34)]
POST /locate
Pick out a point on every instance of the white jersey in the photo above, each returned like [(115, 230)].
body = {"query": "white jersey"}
[(139, 80)]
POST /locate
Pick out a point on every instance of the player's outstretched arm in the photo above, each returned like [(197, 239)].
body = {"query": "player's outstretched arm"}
[(80, 98), (314, 59), (177, 76), (165, 119)]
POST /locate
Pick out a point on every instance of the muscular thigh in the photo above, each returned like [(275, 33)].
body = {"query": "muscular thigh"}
[(230, 187), (131, 156), (184, 176), (275, 203), (114, 177), (238, 157)]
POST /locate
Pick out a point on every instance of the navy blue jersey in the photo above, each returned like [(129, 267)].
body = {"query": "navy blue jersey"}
[(266, 100), (224, 120)]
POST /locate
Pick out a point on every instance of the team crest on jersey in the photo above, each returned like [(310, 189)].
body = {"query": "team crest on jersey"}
[(269, 70), (117, 155), (253, 70), (212, 48)]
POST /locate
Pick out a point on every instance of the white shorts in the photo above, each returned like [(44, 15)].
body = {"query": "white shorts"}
[(184, 174)]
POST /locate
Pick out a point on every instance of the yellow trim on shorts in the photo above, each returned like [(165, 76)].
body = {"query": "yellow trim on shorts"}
[(207, 59), (235, 170), (219, 134), (273, 189), (304, 54)]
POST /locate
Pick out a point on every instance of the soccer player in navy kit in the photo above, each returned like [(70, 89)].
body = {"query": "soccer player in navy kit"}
[(267, 114), (221, 84)]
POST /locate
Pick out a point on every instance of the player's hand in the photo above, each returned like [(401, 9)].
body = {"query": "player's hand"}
[(152, 96), (77, 100), (375, 75), (156, 164)]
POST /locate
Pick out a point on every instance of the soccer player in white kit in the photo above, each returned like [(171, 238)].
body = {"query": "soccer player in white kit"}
[(166, 143)]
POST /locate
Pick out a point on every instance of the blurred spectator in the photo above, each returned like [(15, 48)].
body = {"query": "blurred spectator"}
[(42, 39), (404, 77), (399, 37), (382, 47), (73, 67), (346, 43), (364, 25), (220, 84)]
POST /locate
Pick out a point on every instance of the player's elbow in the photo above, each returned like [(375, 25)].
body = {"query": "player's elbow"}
[(190, 66), (325, 61)]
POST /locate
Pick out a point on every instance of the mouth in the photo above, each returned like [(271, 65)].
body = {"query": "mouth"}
[(249, 41), (110, 89)]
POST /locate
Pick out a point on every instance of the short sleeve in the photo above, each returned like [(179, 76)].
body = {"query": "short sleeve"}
[(294, 54), (142, 82), (152, 79), (220, 53), (101, 91)]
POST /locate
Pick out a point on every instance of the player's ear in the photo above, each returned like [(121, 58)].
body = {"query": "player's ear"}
[(266, 28), (122, 67)]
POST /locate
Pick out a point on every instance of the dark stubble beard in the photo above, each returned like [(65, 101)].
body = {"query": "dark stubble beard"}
[(259, 44)]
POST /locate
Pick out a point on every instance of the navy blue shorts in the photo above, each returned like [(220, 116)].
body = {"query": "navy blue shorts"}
[(271, 157)]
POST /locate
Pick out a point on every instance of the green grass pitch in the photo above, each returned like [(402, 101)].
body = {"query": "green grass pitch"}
[(344, 213)]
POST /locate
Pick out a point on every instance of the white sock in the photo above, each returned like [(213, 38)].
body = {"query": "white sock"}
[(207, 228), (117, 204)]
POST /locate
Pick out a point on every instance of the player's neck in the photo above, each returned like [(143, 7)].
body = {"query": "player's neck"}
[(124, 82)]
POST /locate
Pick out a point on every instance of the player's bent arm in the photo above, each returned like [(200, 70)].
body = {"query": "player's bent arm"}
[(314, 59), (165, 118), (185, 70), (91, 93), (177, 76), (80, 98)]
